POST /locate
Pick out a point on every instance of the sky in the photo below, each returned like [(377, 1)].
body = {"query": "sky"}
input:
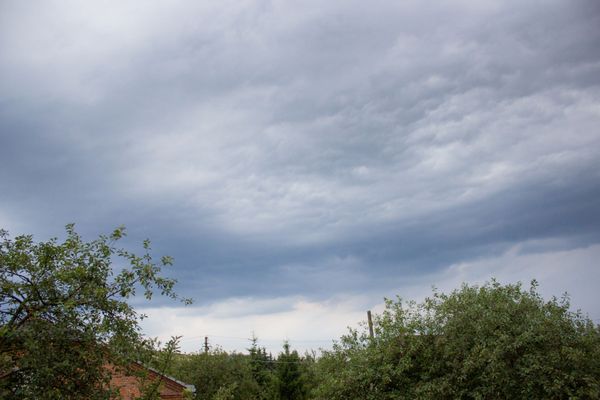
[(303, 160)]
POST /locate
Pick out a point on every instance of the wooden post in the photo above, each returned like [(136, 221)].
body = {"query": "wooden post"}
[(370, 324)]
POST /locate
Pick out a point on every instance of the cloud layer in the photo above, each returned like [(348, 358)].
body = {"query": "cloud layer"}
[(314, 150)]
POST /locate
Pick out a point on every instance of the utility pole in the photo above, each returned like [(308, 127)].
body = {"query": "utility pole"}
[(370, 324), (205, 344)]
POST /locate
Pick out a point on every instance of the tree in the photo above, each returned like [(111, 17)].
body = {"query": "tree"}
[(217, 374), (64, 313), (289, 374), (160, 361), (262, 368), (489, 341)]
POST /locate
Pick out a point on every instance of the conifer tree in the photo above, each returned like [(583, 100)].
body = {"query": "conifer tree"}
[(290, 380)]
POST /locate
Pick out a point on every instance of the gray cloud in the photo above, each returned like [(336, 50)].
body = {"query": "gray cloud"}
[(277, 149)]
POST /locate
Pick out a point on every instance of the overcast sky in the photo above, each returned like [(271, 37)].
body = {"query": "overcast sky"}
[(302, 160)]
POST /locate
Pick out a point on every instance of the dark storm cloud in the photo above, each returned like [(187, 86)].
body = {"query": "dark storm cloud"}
[(307, 149)]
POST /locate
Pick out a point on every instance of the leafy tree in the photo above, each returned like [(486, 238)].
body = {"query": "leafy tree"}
[(479, 342), (64, 313), (160, 360), (309, 372), (225, 392)]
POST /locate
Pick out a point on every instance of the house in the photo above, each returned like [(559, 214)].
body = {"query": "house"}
[(130, 384)]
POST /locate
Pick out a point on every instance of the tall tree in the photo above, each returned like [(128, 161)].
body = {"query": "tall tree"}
[(262, 367), (64, 313), (289, 374)]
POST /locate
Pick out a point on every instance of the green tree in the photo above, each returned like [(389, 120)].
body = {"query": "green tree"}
[(479, 342), (64, 313), (262, 367), (217, 373), (289, 375), (225, 392), (161, 361)]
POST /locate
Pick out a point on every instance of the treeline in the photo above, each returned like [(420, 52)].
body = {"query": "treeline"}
[(491, 341), (219, 375)]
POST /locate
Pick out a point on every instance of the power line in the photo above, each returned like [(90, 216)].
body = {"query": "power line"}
[(201, 337), (217, 336), (277, 362)]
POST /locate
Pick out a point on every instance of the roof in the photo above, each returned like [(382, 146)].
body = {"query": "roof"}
[(188, 386)]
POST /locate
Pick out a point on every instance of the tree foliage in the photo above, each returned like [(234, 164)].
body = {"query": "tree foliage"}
[(253, 376), (291, 385), (217, 374), (262, 367), (479, 342), (64, 313)]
